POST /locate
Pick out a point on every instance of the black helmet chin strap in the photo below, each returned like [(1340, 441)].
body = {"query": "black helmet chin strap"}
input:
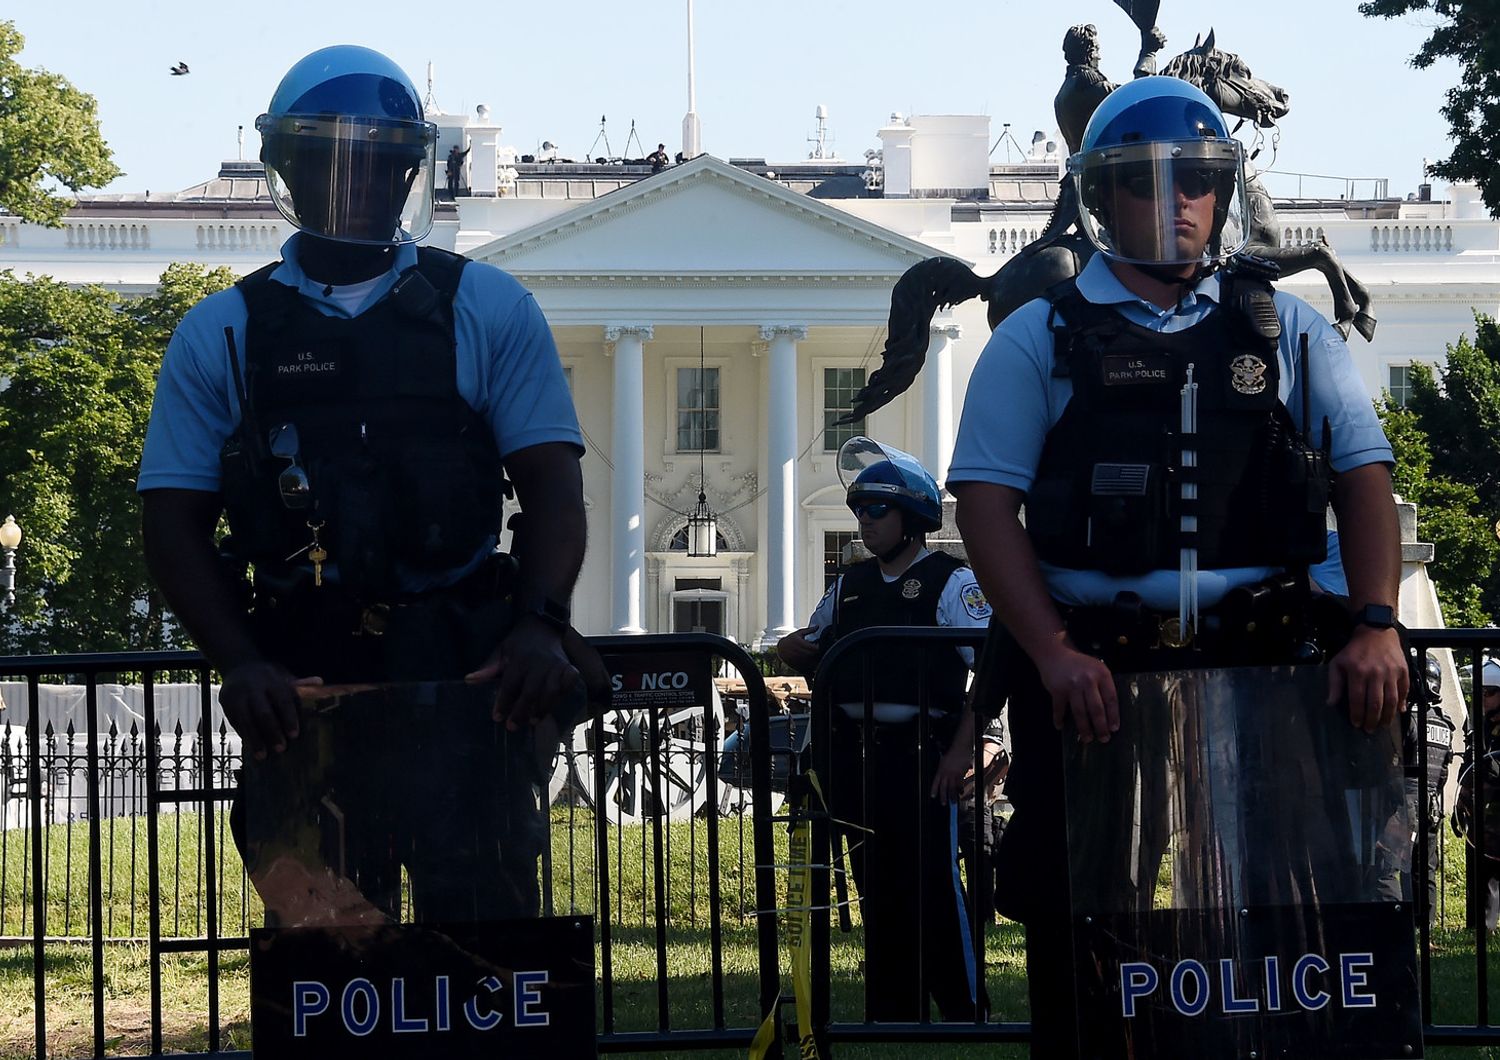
[(890, 554), (1165, 274)]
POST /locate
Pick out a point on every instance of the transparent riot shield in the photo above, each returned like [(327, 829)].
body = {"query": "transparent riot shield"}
[(395, 844), (1227, 852)]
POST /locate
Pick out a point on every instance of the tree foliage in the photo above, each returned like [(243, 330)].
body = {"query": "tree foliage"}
[(1447, 447), (1468, 31), (81, 366), (49, 131)]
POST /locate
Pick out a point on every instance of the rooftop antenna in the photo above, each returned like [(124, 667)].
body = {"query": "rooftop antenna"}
[(819, 140), (635, 136), (1007, 138), (429, 102), (602, 136), (692, 131)]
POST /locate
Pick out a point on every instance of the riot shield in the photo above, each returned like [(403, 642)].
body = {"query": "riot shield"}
[(395, 844), (1226, 854)]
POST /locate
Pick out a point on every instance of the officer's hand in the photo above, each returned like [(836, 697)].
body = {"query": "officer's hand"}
[(798, 652), (1462, 818), (1372, 672), (953, 779), (260, 700), (1082, 687), (534, 673)]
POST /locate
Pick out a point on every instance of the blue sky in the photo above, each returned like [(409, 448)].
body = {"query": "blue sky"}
[(550, 70)]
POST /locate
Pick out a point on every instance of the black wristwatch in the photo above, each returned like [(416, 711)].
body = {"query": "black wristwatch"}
[(1376, 616), (550, 612)]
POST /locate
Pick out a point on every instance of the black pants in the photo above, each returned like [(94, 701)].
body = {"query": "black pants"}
[(414, 776), (903, 854)]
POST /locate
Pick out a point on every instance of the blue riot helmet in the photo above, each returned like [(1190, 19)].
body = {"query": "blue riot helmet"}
[(873, 473), (347, 152), (1154, 145)]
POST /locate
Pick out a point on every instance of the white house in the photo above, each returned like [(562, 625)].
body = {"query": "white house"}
[(776, 279)]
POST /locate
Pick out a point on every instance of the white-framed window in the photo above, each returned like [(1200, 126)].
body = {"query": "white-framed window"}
[(839, 385), (834, 542), (698, 409), (679, 542), (1398, 383)]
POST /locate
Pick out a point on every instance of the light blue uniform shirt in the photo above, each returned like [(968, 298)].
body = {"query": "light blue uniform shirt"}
[(507, 369), (1013, 401)]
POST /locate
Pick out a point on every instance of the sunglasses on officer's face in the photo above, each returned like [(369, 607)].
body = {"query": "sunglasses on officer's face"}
[(1140, 180), (870, 511)]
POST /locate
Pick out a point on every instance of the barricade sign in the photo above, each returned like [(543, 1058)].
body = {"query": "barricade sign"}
[(522, 988), (1226, 853), (395, 843)]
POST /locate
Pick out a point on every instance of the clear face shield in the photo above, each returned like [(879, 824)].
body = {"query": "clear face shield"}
[(1175, 202), (351, 179), (860, 453)]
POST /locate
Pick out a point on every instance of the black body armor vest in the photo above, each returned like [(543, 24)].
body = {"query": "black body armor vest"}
[(1108, 494), (866, 599), (405, 477)]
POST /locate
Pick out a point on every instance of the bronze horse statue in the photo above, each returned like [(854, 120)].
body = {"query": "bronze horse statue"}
[(1061, 250)]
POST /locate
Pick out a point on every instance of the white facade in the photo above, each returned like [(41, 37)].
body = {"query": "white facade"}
[(785, 272)]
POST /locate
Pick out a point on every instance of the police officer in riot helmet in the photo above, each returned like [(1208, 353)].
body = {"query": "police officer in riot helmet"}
[(360, 409), (1483, 873), (901, 847), (1071, 409)]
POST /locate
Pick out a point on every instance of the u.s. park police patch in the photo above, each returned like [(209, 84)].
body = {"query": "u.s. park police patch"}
[(974, 602)]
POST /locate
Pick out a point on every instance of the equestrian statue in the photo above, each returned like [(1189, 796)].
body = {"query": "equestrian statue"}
[(1061, 250)]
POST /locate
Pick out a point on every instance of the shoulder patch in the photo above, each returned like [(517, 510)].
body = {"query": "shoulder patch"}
[(974, 602)]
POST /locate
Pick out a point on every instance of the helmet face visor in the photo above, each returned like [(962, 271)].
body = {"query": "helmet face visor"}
[(351, 179), (875, 473), (1175, 202)]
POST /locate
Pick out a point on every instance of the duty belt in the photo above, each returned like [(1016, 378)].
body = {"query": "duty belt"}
[(1268, 621), (342, 613)]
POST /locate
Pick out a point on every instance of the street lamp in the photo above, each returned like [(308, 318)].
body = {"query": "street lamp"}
[(10, 540)]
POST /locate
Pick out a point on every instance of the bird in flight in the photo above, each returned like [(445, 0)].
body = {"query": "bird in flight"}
[(180, 69)]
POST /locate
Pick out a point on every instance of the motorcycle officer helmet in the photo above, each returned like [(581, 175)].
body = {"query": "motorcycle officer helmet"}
[(347, 151), (1152, 140), (873, 473), (1489, 675)]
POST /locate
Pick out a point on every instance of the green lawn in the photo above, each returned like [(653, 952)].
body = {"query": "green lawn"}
[(185, 977)]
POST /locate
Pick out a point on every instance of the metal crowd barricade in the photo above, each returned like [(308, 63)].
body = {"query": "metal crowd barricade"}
[(1469, 647), (902, 646), (194, 770)]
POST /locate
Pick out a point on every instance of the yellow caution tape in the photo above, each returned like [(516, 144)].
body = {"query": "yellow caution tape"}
[(798, 934)]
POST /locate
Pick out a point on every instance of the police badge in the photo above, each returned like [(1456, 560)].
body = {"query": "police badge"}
[(911, 589), (1248, 374)]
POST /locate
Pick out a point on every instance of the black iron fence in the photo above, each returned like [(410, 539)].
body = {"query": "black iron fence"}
[(115, 838)]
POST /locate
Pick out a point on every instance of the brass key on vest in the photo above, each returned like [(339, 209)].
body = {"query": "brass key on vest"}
[(317, 553)]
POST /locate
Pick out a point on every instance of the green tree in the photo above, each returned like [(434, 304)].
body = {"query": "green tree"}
[(81, 366), (49, 132), (1447, 447), (1468, 31)]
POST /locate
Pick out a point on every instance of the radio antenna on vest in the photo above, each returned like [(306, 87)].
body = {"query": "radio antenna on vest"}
[(1187, 577)]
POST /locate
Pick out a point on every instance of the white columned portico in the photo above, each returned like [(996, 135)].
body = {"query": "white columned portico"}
[(781, 473), (937, 399), (627, 489)]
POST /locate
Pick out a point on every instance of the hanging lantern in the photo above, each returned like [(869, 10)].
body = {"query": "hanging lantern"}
[(703, 530)]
